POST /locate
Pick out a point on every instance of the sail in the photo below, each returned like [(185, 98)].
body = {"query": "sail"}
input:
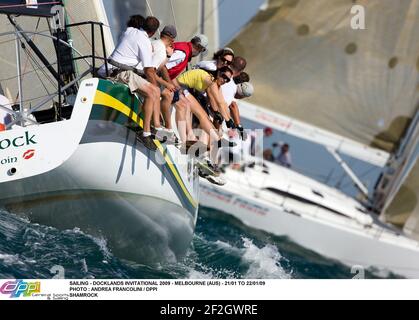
[(306, 62), (400, 185), (404, 210), (88, 10), (38, 82), (188, 16), (407, 201)]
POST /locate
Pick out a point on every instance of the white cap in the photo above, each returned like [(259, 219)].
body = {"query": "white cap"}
[(245, 89), (229, 50), (202, 40)]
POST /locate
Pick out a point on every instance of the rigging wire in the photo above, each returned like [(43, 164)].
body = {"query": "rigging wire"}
[(28, 100), (72, 20), (33, 39), (151, 11), (173, 13), (33, 62), (22, 45), (208, 16)]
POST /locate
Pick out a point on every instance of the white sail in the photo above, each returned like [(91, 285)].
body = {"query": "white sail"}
[(188, 16), (404, 209), (397, 193), (408, 200), (308, 63), (88, 10)]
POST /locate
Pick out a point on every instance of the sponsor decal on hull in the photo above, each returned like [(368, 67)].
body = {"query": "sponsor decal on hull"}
[(29, 154), (18, 142)]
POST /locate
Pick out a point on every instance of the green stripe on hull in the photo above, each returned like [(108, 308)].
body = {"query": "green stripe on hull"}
[(101, 112)]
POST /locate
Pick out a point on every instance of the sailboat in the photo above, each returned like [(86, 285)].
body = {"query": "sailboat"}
[(352, 91), (70, 158)]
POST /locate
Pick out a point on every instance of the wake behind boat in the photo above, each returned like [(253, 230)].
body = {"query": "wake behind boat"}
[(73, 160)]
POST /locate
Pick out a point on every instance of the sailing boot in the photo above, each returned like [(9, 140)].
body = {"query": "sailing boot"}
[(147, 141)]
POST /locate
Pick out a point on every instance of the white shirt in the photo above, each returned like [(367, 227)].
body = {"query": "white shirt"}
[(207, 65), (159, 56), (134, 49), (229, 91), (177, 58), (284, 159), (159, 53)]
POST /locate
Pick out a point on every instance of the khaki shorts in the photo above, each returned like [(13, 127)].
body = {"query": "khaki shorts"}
[(133, 80)]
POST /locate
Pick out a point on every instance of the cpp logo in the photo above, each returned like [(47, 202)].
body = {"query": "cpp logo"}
[(20, 288)]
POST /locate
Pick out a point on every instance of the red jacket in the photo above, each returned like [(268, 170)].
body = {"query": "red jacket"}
[(187, 48)]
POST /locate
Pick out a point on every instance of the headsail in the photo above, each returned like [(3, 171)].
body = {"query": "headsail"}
[(409, 196), (397, 194), (189, 16), (88, 10), (308, 63)]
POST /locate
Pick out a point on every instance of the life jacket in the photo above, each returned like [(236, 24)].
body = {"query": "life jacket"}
[(187, 48)]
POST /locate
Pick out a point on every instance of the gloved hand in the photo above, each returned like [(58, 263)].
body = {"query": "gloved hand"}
[(242, 133), (218, 117), (230, 124)]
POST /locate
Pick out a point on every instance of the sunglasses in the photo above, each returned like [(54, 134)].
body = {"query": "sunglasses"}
[(225, 61), (200, 48), (225, 78)]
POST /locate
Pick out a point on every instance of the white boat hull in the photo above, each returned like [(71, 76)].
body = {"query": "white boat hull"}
[(314, 227), (110, 187)]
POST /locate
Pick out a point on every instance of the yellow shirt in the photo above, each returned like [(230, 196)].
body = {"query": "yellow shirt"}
[(195, 79)]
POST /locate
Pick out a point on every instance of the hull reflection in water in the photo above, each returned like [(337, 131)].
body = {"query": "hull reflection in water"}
[(135, 227)]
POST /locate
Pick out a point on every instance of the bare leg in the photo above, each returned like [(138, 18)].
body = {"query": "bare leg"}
[(189, 128), (166, 106), (181, 114), (148, 106), (206, 124), (156, 107)]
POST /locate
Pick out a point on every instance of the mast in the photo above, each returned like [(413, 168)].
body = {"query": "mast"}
[(398, 170), (19, 76)]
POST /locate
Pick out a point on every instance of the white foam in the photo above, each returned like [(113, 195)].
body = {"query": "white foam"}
[(8, 259), (103, 246), (264, 263), (195, 274), (84, 265), (226, 246)]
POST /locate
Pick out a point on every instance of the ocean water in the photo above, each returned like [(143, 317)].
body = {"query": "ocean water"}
[(222, 249)]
